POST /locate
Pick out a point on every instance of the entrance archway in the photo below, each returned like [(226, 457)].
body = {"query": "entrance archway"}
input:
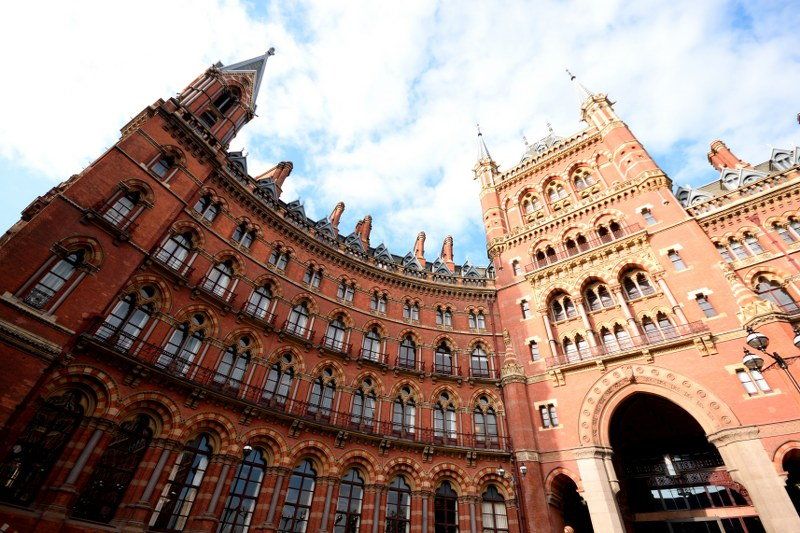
[(570, 507), (672, 480), (791, 465)]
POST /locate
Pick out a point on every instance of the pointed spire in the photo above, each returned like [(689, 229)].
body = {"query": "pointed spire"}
[(483, 152), (583, 93), (256, 66), (336, 214)]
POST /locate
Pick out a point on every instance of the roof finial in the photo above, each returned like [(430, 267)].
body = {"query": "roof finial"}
[(483, 152), (525, 140), (549, 127), (583, 92)]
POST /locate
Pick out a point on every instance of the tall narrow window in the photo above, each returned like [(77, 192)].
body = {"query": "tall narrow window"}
[(363, 413), (128, 317), (246, 485), (320, 400), (404, 413), (207, 208), (493, 511), (162, 165), (705, 305), (297, 506), (445, 509), (298, 319), (279, 259), (348, 508), (243, 236), (55, 280), (753, 381), (371, 347), (335, 336), (408, 353), (121, 211), (259, 302), (444, 418), (472, 321), (609, 340), (345, 291), (738, 250), (525, 308), (279, 381), (37, 449), (533, 346), (313, 277), (785, 234), (443, 359), (752, 243), (515, 267), (479, 362), (233, 364), (724, 253), (398, 506), (485, 421), (182, 346), (175, 503), (225, 101), (648, 216), (219, 278), (549, 415), (677, 261), (480, 320), (175, 251), (114, 471)]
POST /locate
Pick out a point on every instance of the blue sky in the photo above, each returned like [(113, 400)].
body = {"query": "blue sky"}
[(376, 103)]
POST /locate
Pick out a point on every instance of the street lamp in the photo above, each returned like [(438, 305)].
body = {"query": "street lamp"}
[(759, 341)]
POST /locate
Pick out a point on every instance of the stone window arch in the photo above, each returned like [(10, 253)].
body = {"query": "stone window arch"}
[(123, 325)]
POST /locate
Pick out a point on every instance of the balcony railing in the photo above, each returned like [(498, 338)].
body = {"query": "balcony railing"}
[(336, 345), (371, 356), (194, 375), (38, 298), (294, 329), (118, 224), (172, 264), (623, 345), (218, 291), (258, 314), (562, 252)]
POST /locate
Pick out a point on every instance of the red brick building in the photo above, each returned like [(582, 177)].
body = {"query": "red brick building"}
[(186, 351)]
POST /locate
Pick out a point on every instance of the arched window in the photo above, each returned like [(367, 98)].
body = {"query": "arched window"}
[(443, 359), (297, 506), (233, 364), (444, 418), (598, 297), (219, 278), (571, 247), (243, 235), (378, 302), (408, 353), (114, 471), (738, 250), (480, 320), (751, 241), (348, 508), (444, 316), (603, 234), (363, 413), (445, 509), (162, 165), (225, 101), (570, 350), (207, 208), (479, 362), (128, 317), (515, 268), (616, 230), (320, 400), (298, 319), (724, 253), (175, 251), (56, 280), (122, 211), (279, 259), (637, 285), (336, 333), (582, 346), (583, 244), (246, 485), (38, 447), (398, 506), (485, 421), (556, 192), (651, 331), (313, 276), (279, 380), (346, 291), (259, 302), (183, 345), (666, 327), (772, 291), (493, 511), (472, 322), (609, 340), (371, 347), (404, 413), (583, 179), (622, 336), (787, 236), (562, 307), (179, 493)]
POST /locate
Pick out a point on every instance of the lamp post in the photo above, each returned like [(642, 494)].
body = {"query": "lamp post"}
[(753, 361)]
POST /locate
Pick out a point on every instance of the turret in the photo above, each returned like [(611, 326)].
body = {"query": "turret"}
[(720, 156), (335, 215), (486, 172), (223, 98), (447, 253), (419, 248)]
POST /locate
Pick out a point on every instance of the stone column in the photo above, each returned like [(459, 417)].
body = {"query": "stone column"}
[(257, 522), (598, 491), (426, 507), (466, 514), (273, 504), (200, 518), (548, 329), (332, 483), (416, 511), (378, 509), (676, 308), (623, 303), (748, 463), (586, 323)]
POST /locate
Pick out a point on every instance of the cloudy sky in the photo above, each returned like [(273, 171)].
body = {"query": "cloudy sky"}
[(376, 102)]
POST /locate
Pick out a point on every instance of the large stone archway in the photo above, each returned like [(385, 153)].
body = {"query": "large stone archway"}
[(741, 449)]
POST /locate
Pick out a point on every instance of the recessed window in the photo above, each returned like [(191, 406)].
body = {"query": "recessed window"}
[(677, 261), (533, 346), (549, 415), (515, 267), (705, 305), (312, 277), (279, 259), (162, 165), (345, 291), (648, 216), (206, 207), (753, 382), (525, 308)]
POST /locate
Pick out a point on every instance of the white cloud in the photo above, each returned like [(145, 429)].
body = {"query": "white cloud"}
[(377, 102)]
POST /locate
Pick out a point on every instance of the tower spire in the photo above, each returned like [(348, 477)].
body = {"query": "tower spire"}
[(254, 67), (583, 93), (483, 152)]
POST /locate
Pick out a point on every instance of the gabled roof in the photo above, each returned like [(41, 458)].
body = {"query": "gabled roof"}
[(254, 66)]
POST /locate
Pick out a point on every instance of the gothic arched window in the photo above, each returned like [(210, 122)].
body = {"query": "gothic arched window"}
[(398, 506), (348, 508), (233, 364), (37, 449), (279, 380), (404, 413), (56, 280), (485, 421), (180, 491), (246, 485), (337, 331), (371, 346), (122, 211), (175, 251), (219, 278), (408, 352), (444, 418), (183, 345), (206, 207), (259, 302), (297, 506), (128, 317), (320, 400), (772, 291), (364, 399), (298, 319), (226, 99), (479, 362), (114, 471), (445, 509), (443, 359), (493, 511)]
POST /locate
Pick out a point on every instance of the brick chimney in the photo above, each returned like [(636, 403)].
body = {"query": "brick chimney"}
[(419, 248), (720, 156)]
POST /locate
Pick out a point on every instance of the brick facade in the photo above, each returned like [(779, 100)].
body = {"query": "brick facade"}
[(164, 298)]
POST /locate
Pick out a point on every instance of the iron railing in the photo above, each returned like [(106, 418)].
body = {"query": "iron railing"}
[(562, 252)]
